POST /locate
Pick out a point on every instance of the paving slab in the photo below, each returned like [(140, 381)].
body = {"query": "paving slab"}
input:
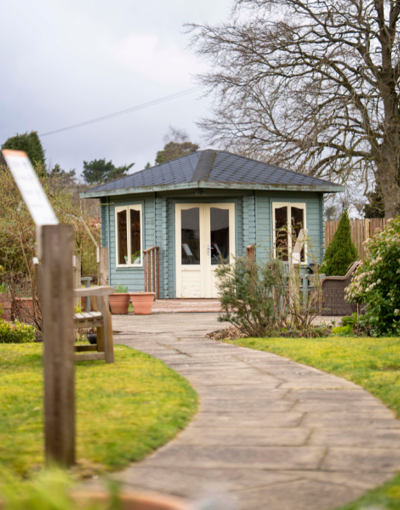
[(270, 433)]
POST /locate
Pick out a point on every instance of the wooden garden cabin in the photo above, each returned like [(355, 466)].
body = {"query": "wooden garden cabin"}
[(199, 208)]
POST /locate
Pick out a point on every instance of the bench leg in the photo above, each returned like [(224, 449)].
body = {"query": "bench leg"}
[(106, 333)]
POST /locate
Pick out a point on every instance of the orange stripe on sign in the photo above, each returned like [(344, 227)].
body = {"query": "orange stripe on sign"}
[(9, 152)]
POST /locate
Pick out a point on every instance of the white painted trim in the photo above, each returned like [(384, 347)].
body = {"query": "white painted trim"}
[(232, 241), (127, 208), (289, 205), (178, 249), (204, 268)]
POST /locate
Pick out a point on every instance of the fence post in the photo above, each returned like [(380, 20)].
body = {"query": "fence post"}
[(103, 268), (56, 283)]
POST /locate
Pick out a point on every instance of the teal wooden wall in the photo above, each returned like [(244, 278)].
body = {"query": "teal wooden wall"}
[(253, 214)]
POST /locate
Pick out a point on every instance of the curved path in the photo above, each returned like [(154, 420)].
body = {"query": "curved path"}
[(270, 432)]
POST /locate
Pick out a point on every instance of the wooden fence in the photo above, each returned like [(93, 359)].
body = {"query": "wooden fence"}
[(361, 230)]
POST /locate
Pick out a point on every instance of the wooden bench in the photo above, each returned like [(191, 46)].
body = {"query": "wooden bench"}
[(101, 319)]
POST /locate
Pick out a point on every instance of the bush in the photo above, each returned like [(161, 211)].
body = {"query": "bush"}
[(341, 252), (17, 333), (343, 330), (376, 282), (252, 295)]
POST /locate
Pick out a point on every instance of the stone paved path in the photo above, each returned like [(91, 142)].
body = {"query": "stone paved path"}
[(272, 433)]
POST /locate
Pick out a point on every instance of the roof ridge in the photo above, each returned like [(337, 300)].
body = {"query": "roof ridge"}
[(204, 165)]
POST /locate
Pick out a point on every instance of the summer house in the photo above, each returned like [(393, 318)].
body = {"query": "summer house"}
[(200, 209)]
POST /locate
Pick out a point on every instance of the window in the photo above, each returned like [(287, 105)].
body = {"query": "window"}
[(286, 233), (128, 232)]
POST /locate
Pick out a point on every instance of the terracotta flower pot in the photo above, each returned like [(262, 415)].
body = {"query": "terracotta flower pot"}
[(130, 501), (119, 303), (142, 302)]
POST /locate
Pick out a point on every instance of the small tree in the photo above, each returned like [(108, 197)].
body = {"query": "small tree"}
[(177, 144), (341, 252), (100, 170), (29, 143)]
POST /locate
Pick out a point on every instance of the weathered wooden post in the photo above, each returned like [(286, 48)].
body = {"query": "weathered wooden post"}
[(103, 268), (58, 337), (54, 251)]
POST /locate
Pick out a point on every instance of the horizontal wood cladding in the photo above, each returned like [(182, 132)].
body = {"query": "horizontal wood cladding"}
[(253, 224)]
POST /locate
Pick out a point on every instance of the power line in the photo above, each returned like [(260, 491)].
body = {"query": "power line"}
[(124, 112)]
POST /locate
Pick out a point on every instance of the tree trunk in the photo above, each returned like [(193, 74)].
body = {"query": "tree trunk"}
[(387, 176)]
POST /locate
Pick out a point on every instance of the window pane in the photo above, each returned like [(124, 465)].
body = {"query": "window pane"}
[(136, 253), (190, 230), (219, 236), (122, 233), (297, 224), (281, 234)]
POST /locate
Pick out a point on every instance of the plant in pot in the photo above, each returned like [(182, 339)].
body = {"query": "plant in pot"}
[(135, 258), (119, 301)]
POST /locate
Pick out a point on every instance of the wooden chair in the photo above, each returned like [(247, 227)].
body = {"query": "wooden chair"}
[(101, 319)]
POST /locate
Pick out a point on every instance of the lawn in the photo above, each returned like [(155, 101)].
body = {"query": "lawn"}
[(373, 363), (124, 410)]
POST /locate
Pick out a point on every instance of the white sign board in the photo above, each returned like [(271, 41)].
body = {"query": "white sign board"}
[(29, 185)]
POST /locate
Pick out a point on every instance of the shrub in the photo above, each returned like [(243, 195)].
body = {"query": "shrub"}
[(376, 282), (17, 333), (252, 295), (343, 330), (341, 252)]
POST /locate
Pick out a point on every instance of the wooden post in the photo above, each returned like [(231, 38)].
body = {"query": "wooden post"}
[(103, 268), (158, 273), (58, 337), (77, 273)]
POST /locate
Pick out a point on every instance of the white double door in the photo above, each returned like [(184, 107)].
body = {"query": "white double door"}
[(205, 237)]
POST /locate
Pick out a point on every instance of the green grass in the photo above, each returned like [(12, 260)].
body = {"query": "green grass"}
[(373, 363), (124, 410)]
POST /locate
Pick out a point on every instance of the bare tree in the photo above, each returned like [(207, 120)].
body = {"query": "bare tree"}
[(312, 85)]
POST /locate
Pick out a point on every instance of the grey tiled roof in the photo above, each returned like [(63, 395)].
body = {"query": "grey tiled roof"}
[(213, 166)]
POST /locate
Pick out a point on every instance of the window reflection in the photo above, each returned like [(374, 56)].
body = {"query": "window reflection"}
[(135, 237), (190, 235), (297, 223), (122, 238), (281, 233), (219, 225)]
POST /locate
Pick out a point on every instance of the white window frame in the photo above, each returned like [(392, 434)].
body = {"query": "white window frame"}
[(289, 205), (128, 208)]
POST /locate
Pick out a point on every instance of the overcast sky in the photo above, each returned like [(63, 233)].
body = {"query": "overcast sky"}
[(65, 62)]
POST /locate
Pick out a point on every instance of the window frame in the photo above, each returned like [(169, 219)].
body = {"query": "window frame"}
[(289, 205), (128, 208)]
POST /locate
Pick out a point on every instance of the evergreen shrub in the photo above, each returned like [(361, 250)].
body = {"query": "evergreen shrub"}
[(341, 252)]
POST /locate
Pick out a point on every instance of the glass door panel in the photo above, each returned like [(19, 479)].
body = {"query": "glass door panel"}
[(190, 236), (219, 234)]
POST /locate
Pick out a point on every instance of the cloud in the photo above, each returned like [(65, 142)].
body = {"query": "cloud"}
[(149, 58)]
